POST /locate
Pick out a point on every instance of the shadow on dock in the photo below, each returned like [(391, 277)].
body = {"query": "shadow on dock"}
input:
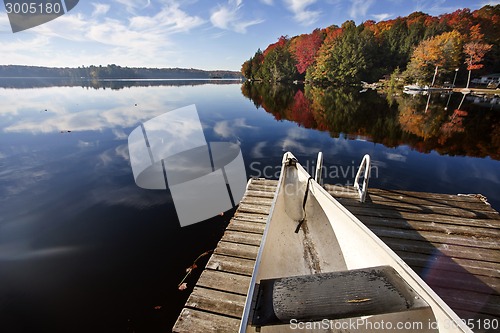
[(452, 242)]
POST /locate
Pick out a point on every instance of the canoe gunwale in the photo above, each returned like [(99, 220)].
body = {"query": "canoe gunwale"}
[(317, 190), (404, 266), (251, 288)]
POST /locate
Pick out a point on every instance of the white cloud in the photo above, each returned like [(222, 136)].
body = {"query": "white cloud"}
[(119, 134), (33, 43), (130, 42), (25, 251), (257, 150), (118, 114), (434, 7), (293, 141), (99, 9), (490, 3), (301, 14), (359, 8), (171, 17), (228, 129), (229, 17), (381, 16), (85, 144), (267, 2), (396, 157), (133, 5)]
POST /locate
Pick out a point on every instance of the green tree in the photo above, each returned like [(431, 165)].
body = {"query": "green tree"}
[(257, 60), (251, 67), (278, 65), (347, 58)]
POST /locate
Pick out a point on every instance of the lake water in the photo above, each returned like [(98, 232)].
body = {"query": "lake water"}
[(82, 248)]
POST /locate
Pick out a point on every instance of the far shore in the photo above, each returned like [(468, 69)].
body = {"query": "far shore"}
[(478, 90)]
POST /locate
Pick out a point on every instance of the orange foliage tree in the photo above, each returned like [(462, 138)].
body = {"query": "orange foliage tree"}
[(475, 50), (440, 51)]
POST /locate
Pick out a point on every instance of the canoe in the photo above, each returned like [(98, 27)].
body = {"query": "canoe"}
[(320, 269)]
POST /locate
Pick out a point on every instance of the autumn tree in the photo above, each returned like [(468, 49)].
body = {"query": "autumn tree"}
[(278, 64), (460, 20), (440, 52), (419, 43), (475, 50), (251, 67), (417, 29), (304, 49), (394, 43), (348, 58), (246, 69)]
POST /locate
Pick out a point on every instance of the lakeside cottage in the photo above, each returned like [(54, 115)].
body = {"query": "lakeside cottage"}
[(486, 79)]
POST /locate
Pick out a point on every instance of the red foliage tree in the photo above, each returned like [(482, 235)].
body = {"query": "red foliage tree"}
[(475, 50), (282, 41), (301, 111), (332, 33), (460, 20), (304, 49)]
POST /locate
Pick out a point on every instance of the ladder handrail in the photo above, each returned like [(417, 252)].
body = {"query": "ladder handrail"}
[(319, 168), (364, 166)]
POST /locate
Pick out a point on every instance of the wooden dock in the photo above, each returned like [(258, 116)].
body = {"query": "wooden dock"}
[(451, 241)]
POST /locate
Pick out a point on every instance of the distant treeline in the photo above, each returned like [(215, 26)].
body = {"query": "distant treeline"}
[(113, 72), (413, 47), (113, 84)]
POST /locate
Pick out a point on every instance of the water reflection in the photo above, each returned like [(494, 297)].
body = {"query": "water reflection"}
[(23, 83), (81, 243), (57, 110), (437, 122), (171, 151)]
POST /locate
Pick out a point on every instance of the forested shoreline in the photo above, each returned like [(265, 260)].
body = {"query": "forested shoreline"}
[(413, 48), (113, 72)]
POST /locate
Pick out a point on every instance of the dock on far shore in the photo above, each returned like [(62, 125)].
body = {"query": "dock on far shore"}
[(478, 91), (451, 241)]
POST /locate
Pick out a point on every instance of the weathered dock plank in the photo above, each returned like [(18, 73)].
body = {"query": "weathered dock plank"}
[(237, 250), (246, 226), (435, 238), (216, 304), (219, 262), (238, 237), (451, 241), (446, 211), (426, 248), (390, 213), (447, 228), (422, 263), (247, 207), (223, 281), (258, 218), (217, 301), (260, 194), (195, 321)]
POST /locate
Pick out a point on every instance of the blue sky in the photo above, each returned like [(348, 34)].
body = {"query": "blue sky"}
[(205, 34)]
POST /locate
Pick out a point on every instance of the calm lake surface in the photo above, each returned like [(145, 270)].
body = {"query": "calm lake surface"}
[(82, 248)]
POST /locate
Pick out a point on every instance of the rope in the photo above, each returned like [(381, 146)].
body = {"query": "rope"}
[(304, 205), (478, 196)]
